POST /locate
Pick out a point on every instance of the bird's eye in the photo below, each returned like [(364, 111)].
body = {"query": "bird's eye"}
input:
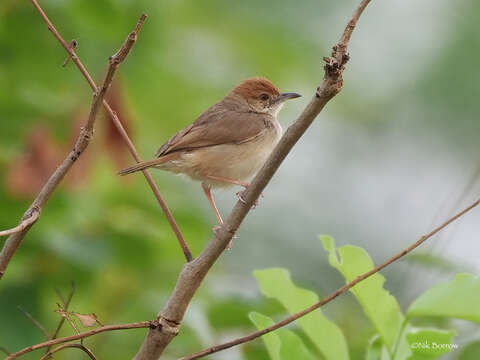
[(264, 97)]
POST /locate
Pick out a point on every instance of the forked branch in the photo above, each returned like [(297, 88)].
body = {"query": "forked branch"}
[(330, 297), (192, 274), (66, 304), (86, 133), (82, 347), (23, 224), (83, 335), (116, 121), (167, 324)]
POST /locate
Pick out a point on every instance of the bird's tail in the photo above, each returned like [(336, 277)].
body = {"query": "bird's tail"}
[(143, 165)]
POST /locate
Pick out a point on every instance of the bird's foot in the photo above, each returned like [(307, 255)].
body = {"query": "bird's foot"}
[(241, 194), (216, 230)]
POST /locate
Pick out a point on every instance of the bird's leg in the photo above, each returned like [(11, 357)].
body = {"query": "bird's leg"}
[(239, 194), (208, 193)]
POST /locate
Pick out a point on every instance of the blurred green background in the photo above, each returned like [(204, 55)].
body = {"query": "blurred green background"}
[(394, 154)]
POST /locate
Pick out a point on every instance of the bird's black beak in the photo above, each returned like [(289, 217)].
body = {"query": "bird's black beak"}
[(286, 96)]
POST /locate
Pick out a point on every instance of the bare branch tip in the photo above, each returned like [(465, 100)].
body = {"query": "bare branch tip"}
[(140, 23), (34, 321), (72, 290)]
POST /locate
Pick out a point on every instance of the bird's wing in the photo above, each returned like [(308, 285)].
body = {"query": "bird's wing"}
[(216, 126)]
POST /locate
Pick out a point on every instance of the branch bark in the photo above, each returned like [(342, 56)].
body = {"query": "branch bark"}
[(167, 324), (137, 325), (116, 121), (330, 297), (192, 273), (23, 224), (86, 133)]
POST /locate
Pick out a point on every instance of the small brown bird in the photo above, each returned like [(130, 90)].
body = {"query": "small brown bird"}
[(229, 142)]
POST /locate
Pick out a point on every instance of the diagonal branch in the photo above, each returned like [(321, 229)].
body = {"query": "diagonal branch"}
[(106, 328), (14, 240), (330, 297), (82, 347), (194, 272), (116, 121)]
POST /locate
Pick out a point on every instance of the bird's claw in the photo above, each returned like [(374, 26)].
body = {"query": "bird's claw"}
[(216, 230), (240, 197)]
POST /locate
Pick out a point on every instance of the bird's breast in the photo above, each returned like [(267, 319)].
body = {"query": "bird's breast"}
[(233, 161)]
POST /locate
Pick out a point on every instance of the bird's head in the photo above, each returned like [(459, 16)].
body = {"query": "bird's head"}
[(261, 96)]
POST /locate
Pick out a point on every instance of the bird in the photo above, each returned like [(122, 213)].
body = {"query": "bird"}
[(228, 143)]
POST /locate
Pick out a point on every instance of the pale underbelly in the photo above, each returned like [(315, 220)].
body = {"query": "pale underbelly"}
[(232, 161)]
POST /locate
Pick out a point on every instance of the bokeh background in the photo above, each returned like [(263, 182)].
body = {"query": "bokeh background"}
[(394, 154)]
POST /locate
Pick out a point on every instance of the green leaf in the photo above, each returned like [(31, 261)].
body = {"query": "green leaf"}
[(402, 348), (271, 340), (380, 307), (326, 335), (429, 344), (293, 347), (281, 344), (457, 298), (376, 350), (433, 261)]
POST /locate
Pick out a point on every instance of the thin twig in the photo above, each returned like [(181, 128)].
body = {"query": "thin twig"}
[(82, 347), (330, 297), (5, 351), (73, 45), (35, 322), (60, 295), (23, 224), (66, 304), (121, 130), (66, 315), (137, 325), (193, 273), (14, 240)]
